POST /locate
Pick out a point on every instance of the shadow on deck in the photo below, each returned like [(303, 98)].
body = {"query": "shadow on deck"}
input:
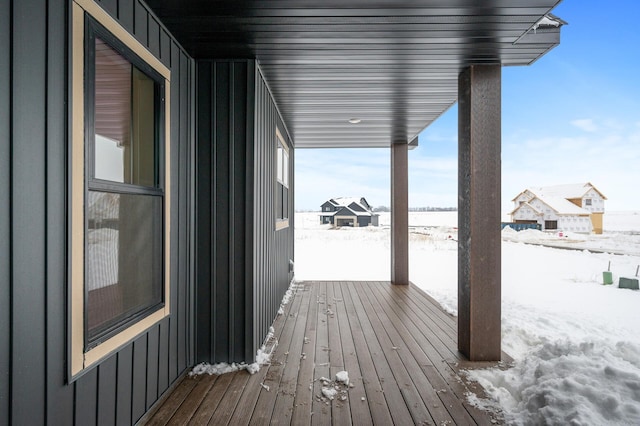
[(397, 345)]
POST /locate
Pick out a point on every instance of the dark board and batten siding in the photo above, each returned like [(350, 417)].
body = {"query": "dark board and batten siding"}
[(33, 205), (222, 210), (273, 250), (5, 209), (242, 262)]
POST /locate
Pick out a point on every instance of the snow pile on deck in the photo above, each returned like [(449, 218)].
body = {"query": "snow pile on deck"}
[(576, 342), (263, 355), (335, 389)]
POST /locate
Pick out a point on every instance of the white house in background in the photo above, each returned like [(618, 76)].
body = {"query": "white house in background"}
[(575, 207), (346, 211)]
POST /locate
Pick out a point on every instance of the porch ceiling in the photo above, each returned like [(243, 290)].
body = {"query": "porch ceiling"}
[(393, 64)]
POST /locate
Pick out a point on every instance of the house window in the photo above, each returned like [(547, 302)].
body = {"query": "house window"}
[(550, 224), (587, 201), (282, 182), (120, 188), (124, 226)]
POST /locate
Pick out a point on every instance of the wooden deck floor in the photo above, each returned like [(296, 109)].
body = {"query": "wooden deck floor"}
[(397, 345)]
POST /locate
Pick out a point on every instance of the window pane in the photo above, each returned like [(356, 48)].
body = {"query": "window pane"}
[(125, 120), (279, 201), (285, 202), (279, 162), (285, 168), (124, 258)]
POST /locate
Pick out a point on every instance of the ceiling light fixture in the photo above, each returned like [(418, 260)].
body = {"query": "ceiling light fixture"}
[(354, 120)]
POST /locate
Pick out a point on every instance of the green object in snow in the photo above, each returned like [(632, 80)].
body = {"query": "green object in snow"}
[(607, 278), (631, 283)]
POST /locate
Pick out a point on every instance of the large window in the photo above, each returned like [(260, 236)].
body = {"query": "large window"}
[(124, 226), (282, 179), (119, 187)]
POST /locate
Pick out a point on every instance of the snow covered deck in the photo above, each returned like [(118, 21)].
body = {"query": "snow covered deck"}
[(395, 342)]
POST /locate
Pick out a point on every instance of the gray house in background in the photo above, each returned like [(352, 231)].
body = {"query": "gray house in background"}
[(348, 212)]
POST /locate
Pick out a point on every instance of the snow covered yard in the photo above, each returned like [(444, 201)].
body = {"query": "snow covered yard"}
[(575, 342)]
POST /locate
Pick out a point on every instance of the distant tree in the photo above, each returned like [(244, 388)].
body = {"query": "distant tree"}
[(381, 209)]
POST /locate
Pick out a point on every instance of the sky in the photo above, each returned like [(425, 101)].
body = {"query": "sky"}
[(573, 116)]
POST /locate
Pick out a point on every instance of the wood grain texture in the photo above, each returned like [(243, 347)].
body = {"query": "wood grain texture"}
[(399, 214), (479, 242), (394, 342)]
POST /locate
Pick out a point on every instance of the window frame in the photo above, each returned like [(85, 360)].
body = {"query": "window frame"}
[(283, 176), (83, 356)]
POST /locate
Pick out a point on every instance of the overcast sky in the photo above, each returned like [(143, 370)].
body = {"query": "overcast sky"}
[(573, 116)]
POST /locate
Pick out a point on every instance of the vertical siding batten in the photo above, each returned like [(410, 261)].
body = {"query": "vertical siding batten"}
[(86, 404), (220, 200), (249, 195), (203, 213), (124, 385), (60, 397), (232, 187), (5, 210), (139, 391), (239, 210), (154, 36), (277, 246), (192, 215), (28, 206), (211, 199), (110, 6), (174, 323), (107, 388), (153, 362), (126, 13), (183, 271), (163, 357), (140, 20)]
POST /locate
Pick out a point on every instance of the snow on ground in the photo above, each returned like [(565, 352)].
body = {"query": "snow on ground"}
[(263, 355), (576, 342)]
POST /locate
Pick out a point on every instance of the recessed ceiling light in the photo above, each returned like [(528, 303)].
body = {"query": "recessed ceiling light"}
[(354, 120)]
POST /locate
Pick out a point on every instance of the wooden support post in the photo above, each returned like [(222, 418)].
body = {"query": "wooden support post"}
[(479, 246), (399, 214)]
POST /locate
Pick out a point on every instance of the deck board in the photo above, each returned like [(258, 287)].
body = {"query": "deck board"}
[(321, 411), (397, 345)]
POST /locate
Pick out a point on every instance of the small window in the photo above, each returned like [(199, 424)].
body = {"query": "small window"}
[(587, 201), (282, 182), (550, 224)]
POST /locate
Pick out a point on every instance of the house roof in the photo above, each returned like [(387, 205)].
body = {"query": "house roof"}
[(575, 190), (352, 212), (393, 64), (535, 210), (562, 206), (567, 191), (347, 201)]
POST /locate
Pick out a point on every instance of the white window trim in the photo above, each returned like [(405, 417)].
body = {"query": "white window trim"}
[(81, 359)]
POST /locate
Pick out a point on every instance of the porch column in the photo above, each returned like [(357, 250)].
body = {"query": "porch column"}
[(399, 214), (479, 256)]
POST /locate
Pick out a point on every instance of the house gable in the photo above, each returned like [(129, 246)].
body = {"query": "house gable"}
[(328, 206)]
